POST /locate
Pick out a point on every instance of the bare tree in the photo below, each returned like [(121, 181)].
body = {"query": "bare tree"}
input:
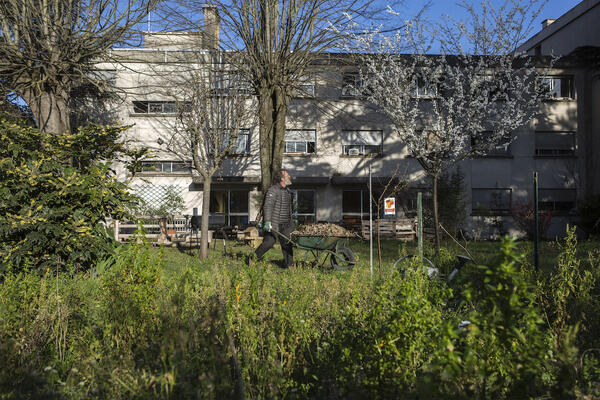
[(48, 47), (210, 114), (449, 107), (279, 40)]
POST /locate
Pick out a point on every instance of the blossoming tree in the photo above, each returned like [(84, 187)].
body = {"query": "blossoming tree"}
[(456, 104)]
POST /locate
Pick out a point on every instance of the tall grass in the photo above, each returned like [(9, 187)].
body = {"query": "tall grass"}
[(138, 326)]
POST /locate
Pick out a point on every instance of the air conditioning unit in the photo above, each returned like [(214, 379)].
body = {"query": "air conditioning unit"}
[(353, 152)]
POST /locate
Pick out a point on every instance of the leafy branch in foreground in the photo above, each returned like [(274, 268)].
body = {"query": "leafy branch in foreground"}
[(58, 192)]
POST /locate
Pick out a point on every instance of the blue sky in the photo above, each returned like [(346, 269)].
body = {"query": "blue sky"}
[(553, 9), (438, 8)]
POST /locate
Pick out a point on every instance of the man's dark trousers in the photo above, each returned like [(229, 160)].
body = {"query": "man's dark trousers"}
[(286, 246)]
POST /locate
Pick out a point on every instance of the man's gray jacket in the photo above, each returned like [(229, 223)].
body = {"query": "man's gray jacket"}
[(278, 205)]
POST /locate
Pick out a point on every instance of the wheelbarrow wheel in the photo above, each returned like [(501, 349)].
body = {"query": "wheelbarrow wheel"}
[(343, 259)]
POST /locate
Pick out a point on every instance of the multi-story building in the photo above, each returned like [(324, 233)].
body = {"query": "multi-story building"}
[(333, 139)]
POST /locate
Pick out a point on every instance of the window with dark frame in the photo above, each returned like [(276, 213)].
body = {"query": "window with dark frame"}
[(356, 86), (229, 207), (304, 205), (557, 87), (555, 143), (166, 166), (355, 203), (557, 200), (491, 200), (154, 107), (502, 149)]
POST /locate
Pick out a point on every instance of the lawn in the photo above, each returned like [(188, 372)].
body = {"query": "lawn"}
[(235, 253)]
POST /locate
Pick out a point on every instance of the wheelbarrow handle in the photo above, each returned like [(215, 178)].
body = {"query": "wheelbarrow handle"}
[(289, 239)]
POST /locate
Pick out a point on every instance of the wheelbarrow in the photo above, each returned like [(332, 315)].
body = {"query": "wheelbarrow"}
[(333, 248)]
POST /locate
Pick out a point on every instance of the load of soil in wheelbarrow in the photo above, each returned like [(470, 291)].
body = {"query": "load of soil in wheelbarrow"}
[(322, 230)]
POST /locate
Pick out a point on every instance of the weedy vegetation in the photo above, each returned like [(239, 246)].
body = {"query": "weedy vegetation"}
[(158, 323)]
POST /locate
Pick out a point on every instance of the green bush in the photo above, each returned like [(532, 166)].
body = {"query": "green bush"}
[(569, 298), (57, 192), (505, 351)]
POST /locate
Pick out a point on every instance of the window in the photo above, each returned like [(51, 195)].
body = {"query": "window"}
[(557, 87), (228, 207), (355, 208), (425, 89), (154, 107), (362, 143), (105, 76), (243, 143), (555, 143), (300, 141), (354, 85), (496, 86), (502, 149), (406, 202), (242, 147), (351, 84), (304, 205), (557, 200), (166, 166), (306, 87), (238, 208), (227, 83), (356, 203), (491, 200)]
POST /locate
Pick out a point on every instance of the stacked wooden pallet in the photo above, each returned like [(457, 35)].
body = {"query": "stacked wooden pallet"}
[(402, 228)]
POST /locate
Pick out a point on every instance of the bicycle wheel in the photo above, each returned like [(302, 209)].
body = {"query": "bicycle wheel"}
[(343, 259), (411, 259)]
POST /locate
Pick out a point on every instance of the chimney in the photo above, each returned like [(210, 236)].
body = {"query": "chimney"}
[(547, 22), (211, 27)]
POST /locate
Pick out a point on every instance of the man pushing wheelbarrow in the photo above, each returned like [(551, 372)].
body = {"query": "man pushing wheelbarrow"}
[(277, 217)]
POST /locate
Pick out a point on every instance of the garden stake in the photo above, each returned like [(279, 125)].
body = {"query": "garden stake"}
[(536, 258), (420, 224)]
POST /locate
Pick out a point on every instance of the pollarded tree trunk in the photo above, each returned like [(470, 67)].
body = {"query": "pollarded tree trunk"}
[(266, 129), (206, 188), (436, 223), (50, 111), (273, 107), (280, 109)]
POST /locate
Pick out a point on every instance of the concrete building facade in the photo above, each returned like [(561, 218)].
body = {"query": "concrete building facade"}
[(334, 138)]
